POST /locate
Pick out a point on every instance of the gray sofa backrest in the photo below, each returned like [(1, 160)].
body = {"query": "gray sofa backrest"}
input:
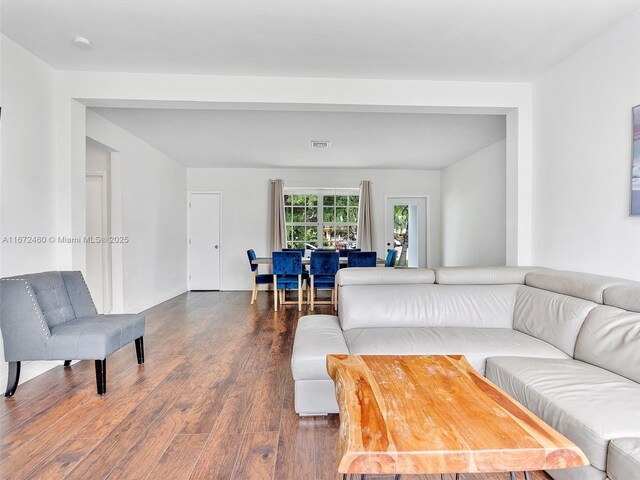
[(625, 296), (549, 316), (51, 294), (384, 276), (61, 296), (483, 275), (426, 305), (610, 339), (575, 284)]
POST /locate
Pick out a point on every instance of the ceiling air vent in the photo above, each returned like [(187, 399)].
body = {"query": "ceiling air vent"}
[(320, 143)]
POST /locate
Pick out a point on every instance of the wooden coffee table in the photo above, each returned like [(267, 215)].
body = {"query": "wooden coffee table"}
[(435, 414)]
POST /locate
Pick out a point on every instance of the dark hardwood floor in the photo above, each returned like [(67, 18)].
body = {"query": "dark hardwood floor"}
[(213, 401)]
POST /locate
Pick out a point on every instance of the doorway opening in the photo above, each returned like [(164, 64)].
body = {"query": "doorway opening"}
[(98, 225), (406, 230)]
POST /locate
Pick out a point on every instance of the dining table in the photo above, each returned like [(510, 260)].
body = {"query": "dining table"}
[(305, 261)]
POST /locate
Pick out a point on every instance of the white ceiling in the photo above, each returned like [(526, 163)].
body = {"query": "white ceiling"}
[(449, 40), (252, 138)]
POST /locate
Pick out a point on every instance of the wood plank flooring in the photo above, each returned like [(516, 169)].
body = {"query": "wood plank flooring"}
[(214, 400)]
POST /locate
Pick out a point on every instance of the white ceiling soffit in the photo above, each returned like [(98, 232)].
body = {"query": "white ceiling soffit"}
[(487, 40), (280, 139)]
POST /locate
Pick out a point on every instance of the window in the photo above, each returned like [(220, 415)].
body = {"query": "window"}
[(321, 218)]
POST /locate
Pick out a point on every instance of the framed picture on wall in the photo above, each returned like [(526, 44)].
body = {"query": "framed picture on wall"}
[(635, 165)]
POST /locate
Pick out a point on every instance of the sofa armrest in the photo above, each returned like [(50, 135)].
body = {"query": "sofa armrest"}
[(316, 337), (79, 294), (623, 459), (25, 332)]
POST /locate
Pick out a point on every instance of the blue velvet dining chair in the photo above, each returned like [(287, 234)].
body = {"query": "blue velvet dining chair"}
[(323, 269), (362, 259), (287, 275), (305, 271), (258, 278), (390, 261), (344, 253)]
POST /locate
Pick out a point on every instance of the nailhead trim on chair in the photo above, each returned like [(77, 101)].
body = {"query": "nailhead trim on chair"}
[(36, 308), (88, 292)]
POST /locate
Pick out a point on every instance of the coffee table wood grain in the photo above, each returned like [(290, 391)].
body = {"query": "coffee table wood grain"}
[(436, 414)]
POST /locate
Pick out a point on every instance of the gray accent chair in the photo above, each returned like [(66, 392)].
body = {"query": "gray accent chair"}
[(51, 316)]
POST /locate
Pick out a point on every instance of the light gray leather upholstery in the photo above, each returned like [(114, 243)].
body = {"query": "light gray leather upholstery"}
[(625, 296), (316, 337), (623, 461), (384, 276), (551, 317), (482, 275), (581, 473), (365, 306), (610, 338), (476, 344), (581, 285), (315, 397), (586, 403)]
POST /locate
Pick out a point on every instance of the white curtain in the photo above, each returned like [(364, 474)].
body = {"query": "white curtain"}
[(365, 217), (278, 231)]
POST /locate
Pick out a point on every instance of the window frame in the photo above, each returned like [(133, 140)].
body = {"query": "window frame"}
[(320, 223)]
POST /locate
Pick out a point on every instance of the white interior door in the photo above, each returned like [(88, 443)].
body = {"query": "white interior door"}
[(97, 253), (204, 241), (406, 230)]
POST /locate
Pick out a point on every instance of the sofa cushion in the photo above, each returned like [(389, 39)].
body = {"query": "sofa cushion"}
[(610, 338), (316, 337), (384, 276), (625, 296), (482, 275), (51, 294), (94, 338), (490, 306), (586, 403), (551, 317), (581, 285), (476, 344), (623, 460)]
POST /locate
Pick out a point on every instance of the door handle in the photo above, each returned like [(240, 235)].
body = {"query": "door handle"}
[(215, 246)]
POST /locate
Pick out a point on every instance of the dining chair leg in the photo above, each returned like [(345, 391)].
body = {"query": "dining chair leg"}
[(312, 293), (254, 293), (275, 293), (299, 293)]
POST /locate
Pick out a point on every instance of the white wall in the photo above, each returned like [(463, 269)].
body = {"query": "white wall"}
[(28, 162), (27, 170), (474, 209), (185, 91), (582, 149), (150, 209), (245, 207)]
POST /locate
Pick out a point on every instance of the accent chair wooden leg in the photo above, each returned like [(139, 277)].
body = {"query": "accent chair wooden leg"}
[(299, 293), (140, 350), (67, 363), (101, 376), (312, 292), (275, 293), (12, 380)]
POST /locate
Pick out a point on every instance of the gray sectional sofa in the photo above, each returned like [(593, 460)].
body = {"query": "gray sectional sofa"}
[(566, 345)]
